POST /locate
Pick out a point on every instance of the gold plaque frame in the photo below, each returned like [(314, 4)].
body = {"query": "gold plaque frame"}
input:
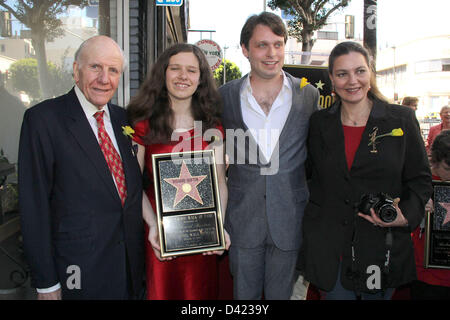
[(188, 207)]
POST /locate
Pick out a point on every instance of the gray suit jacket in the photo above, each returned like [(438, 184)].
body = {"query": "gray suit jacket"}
[(260, 192)]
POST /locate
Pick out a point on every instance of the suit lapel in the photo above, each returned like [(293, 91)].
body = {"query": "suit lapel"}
[(331, 128), (237, 110), (79, 126), (294, 112), (377, 119)]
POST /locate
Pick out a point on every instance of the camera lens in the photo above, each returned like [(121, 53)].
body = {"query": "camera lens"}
[(387, 213)]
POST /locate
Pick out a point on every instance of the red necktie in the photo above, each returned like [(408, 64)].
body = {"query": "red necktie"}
[(111, 156)]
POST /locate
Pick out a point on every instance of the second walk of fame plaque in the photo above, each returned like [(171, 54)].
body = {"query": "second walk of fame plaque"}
[(437, 231), (187, 203)]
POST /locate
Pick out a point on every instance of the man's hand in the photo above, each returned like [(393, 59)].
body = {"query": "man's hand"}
[(55, 295)]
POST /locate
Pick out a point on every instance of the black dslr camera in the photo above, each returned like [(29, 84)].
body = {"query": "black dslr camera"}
[(382, 204)]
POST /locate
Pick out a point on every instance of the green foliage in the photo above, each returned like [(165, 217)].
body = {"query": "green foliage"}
[(41, 15), (309, 15), (232, 72), (24, 77)]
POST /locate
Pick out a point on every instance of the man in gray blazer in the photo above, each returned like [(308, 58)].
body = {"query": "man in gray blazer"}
[(266, 116)]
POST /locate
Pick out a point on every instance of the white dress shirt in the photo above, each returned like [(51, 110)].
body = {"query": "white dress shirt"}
[(89, 110), (266, 130)]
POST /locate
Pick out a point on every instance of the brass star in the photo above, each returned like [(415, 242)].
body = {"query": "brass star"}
[(186, 185)]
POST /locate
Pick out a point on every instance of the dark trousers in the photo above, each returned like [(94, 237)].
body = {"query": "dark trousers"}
[(424, 291), (262, 270), (340, 293)]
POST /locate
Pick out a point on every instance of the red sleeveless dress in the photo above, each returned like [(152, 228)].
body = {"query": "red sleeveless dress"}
[(192, 277)]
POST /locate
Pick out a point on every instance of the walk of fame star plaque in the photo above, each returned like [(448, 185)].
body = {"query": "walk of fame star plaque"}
[(437, 241), (187, 203)]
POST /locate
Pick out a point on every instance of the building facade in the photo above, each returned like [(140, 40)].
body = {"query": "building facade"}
[(418, 68), (140, 27)]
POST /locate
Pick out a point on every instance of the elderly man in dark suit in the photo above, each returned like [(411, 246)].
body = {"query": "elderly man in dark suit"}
[(80, 187)]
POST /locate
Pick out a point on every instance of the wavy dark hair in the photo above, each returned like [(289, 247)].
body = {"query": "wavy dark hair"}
[(267, 19), (347, 47), (152, 101), (440, 150)]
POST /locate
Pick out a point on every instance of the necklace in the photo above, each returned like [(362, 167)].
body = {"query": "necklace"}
[(353, 122), (346, 120), (361, 118)]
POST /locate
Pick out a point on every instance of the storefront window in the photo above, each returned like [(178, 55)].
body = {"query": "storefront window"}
[(37, 45)]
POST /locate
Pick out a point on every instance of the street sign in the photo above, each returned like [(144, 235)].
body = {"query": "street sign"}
[(212, 52), (169, 2)]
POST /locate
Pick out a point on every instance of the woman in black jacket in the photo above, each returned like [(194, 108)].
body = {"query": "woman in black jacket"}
[(358, 148)]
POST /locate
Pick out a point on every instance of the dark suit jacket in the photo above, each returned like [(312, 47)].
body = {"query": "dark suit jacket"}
[(399, 168), (71, 213)]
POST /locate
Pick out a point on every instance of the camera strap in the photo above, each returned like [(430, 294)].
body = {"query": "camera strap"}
[(354, 272), (388, 242)]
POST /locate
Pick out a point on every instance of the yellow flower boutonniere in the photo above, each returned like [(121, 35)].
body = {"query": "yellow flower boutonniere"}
[(128, 131), (373, 137), (303, 83), (397, 132)]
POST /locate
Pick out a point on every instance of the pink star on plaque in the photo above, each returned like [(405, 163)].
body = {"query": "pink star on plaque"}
[(446, 206), (186, 185)]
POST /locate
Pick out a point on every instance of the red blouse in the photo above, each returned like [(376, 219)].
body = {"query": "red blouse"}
[(352, 138)]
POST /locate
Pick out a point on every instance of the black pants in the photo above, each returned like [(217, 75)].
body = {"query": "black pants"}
[(424, 291)]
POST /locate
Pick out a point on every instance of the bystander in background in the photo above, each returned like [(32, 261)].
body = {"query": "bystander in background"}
[(411, 102), (435, 130)]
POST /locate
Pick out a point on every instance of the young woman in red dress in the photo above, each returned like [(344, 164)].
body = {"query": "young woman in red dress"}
[(174, 107)]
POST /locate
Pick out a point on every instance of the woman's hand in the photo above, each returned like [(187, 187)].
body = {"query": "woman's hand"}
[(220, 252), (429, 207), (153, 237), (400, 221)]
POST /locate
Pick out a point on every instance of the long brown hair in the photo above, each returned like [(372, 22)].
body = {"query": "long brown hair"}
[(152, 101), (347, 47)]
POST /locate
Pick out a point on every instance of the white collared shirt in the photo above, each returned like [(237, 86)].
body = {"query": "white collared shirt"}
[(266, 130), (89, 110)]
